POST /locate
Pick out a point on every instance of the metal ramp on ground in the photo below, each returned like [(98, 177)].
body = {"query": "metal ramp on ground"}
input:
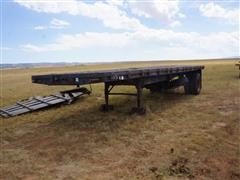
[(41, 102)]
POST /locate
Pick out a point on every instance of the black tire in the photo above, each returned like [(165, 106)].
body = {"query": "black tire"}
[(193, 84)]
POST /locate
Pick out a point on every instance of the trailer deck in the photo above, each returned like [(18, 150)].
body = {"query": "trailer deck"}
[(153, 78)]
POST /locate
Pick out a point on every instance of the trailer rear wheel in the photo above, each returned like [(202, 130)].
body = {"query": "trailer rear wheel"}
[(193, 84)]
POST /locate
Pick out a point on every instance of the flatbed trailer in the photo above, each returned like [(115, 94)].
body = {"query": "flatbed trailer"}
[(153, 78)]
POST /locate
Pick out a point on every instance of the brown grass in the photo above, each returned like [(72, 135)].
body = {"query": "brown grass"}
[(180, 137)]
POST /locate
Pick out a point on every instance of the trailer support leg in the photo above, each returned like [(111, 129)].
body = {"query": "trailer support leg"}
[(139, 109), (106, 107), (106, 93), (139, 97)]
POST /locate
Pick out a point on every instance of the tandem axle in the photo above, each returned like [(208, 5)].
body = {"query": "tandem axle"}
[(192, 83)]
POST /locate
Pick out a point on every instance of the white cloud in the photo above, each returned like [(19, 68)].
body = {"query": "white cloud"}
[(54, 24), (81, 41), (59, 24), (40, 27), (175, 24), (110, 15), (156, 41), (141, 38), (216, 11), (166, 11), (115, 2), (33, 48), (53, 6), (180, 15)]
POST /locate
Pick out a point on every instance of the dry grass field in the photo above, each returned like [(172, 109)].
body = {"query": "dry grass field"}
[(180, 137)]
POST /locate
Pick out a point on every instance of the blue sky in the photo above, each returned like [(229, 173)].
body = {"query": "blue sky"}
[(117, 30)]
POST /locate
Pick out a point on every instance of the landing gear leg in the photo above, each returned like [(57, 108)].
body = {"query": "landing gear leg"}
[(139, 109), (106, 107)]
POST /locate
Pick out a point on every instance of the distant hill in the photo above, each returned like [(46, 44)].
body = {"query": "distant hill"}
[(33, 65), (60, 64)]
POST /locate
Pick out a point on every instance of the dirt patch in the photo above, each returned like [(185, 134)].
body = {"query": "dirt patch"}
[(202, 172), (179, 167), (235, 176)]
